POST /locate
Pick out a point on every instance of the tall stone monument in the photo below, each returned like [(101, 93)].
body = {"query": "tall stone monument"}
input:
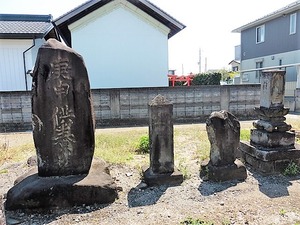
[(223, 130), (63, 128), (63, 132), (161, 170), (272, 145)]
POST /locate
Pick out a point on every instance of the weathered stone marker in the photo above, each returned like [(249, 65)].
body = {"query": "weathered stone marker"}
[(223, 130), (161, 134), (272, 145), (63, 128), (63, 131)]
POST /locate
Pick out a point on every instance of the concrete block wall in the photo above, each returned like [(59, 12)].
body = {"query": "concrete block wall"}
[(129, 106)]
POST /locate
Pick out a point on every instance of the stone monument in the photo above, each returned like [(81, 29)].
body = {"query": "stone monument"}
[(63, 132), (161, 170), (223, 130), (272, 143)]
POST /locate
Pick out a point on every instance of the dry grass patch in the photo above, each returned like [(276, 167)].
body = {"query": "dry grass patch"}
[(119, 145)]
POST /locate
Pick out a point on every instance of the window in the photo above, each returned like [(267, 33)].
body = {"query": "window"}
[(260, 34), (293, 19), (258, 72), (245, 77)]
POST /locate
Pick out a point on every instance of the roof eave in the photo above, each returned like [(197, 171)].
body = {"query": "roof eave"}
[(85, 8), (21, 36), (166, 16), (69, 15), (281, 12)]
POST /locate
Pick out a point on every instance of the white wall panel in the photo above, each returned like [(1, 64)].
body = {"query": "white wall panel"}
[(11, 64), (122, 47)]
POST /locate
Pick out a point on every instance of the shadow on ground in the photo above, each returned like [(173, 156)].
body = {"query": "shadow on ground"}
[(273, 186), (143, 197), (207, 188)]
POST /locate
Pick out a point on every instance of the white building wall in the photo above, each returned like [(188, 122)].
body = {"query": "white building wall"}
[(122, 47), (12, 74), (273, 60)]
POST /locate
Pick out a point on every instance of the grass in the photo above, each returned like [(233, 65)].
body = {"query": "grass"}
[(291, 170), (192, 221), (16, 154), (245, 135), (119, 146), (282, 212)]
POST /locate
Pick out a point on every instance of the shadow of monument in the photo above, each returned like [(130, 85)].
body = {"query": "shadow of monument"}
[(273, 186), (143, 197), (207, 188)]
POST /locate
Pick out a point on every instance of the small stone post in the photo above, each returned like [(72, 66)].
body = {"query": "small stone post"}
[(223, 130), (161, 144), (272, 144)]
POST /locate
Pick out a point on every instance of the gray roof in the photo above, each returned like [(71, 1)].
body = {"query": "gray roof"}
[(280, 12), (22, 26), (82, 10)]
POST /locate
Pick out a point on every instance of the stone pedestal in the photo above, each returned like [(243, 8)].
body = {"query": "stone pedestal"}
[(172, 178), (234, 171), (272, 145), (268, 161), (161, 169), (33, 191), (223, 130)]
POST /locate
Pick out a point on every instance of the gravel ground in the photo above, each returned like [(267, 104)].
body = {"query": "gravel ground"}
[(259, 200)]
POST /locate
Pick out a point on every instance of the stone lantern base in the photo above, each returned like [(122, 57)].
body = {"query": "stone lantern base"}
[(269, 160)]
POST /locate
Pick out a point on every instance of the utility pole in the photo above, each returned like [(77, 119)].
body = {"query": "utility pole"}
[(199, 62)]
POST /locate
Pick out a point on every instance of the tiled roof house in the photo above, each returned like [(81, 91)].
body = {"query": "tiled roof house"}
[(20, 37), (124, 42)]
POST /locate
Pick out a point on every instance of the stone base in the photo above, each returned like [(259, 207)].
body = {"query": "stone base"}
[(272, 140), (175, 178), (34, 191), (268, 161), (235, 171)]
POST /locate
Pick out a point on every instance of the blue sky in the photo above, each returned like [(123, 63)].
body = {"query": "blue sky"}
[(209, 25)]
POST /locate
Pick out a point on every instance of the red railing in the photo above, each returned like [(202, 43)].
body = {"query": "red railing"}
[(175, 78)]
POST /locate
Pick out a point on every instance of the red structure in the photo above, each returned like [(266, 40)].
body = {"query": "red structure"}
[(187, 79)]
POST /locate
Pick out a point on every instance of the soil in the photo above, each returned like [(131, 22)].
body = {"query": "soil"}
[(259, 200)]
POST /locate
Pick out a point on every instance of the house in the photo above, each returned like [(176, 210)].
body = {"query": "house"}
[(235, 65), (272, 41), (124, 43), (20, 37)]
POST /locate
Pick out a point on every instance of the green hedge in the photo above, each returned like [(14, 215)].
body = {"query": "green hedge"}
[(207, 79)]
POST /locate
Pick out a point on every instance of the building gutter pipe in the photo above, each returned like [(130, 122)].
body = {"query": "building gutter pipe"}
[(24, 62)]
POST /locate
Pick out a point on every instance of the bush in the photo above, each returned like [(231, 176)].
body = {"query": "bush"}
[(143, 145), (207, 79)]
